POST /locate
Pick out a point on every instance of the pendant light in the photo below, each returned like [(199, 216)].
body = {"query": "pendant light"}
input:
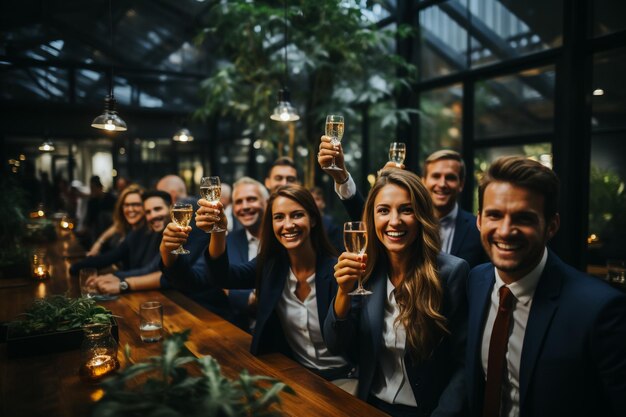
[(109, 120), (284, 111), (47, 146), (183, 135)]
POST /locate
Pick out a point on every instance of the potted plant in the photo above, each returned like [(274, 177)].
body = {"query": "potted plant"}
[(54, 324), (168, 385)]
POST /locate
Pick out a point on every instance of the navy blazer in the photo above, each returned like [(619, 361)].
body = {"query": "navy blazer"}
[(437, 383), (465, 243), (574, 351), (268, 334), (237, 244)]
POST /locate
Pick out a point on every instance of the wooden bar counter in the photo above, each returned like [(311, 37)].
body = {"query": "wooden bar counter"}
[(48, 385)]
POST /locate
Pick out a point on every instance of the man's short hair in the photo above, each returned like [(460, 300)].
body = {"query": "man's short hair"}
[(444, 154), (157, 193), (282, 161), (315, 190), (247, 180), (525, 173)]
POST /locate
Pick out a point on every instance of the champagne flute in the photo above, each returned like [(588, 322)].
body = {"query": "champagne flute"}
[(181, 215), (334, 130), (397, 152), (211, 190), (355, 241)]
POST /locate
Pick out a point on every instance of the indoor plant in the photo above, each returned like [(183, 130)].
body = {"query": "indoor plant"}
[(164, 386)]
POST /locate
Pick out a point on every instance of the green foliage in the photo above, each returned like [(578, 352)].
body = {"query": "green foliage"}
[(59, 313), (171, 390), (12, 223), (338, 61), (607, 201)]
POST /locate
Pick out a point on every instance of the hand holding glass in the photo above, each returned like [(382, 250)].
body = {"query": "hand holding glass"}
[(397, 152), (355, 241), (181, 215), (88, 291), (211, 190), (334, 130)]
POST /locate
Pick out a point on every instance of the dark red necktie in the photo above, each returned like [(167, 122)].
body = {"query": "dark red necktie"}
[(496, 364)]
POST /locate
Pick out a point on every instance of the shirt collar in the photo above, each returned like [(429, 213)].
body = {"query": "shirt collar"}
[(523, 289), (390, 289), (250, 237), (450, 218)]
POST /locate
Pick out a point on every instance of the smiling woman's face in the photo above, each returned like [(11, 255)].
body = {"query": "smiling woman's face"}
[(395, 222), (133, 209), (291, 223)]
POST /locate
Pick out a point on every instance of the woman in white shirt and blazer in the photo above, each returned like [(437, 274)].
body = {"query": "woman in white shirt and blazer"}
[(293, 277), (408, 336)]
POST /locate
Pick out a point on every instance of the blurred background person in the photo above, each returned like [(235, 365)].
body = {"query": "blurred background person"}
[(128, 215)]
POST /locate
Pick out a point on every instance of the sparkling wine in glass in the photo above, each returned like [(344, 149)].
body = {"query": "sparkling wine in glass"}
[(334, 130), (181, 214), (397, 152), (211, 190), (355, 241)]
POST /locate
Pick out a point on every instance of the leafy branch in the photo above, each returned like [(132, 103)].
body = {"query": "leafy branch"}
[(169, 389), (59, 313)]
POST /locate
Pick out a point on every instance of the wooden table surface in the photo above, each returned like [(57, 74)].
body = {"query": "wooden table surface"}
[(48, 385)]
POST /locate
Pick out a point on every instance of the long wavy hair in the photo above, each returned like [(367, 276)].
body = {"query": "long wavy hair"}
[(270, 247), (119, 220), (420, 294)]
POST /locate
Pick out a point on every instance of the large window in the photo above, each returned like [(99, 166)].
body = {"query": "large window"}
[(517, 104)]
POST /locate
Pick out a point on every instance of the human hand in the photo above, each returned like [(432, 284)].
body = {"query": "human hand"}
[(350, 267), (325, 157), (209, 214)]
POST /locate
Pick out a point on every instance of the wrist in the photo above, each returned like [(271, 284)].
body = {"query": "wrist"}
[(341, 181)]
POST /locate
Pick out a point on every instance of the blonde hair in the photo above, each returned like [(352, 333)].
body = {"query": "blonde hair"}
[(420, 294)]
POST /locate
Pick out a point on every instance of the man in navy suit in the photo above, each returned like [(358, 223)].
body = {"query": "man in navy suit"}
[(249, 203), (444, 176), (543, 338)]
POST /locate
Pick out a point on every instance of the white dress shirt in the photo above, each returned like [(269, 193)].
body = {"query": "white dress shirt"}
[(523, 291), (253, 245), (347, 189), (447, 224), (301, 326), (391, 383)]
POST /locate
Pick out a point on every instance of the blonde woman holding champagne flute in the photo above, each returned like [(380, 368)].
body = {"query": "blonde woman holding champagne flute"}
[(408, 335)]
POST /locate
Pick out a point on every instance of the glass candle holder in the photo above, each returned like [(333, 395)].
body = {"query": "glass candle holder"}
[(39, 267), (98, 352)]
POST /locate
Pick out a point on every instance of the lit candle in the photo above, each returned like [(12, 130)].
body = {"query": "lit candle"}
[(40, 272), (98, 367)]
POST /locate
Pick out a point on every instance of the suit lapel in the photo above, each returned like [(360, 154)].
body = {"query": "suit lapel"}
[(374, 306), (481, 285), (460, 230), (273, 285), (545, 304), (323, 287)]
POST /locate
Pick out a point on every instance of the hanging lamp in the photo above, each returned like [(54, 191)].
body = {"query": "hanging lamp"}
[(183, 135), (284, 111), (109, 120), (47, 146)]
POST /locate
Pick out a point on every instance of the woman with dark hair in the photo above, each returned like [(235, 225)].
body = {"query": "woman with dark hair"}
[(293, 277), (408, 335), (127, 215)]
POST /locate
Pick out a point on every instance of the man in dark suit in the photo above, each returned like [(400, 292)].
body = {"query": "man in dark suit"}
[(444, 176), (249, 203), (543, 338)]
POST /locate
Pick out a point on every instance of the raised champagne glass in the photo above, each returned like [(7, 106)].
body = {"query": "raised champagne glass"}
[(181, 214), (211, 191), (334, 130), (397, 152), (355, 241)]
